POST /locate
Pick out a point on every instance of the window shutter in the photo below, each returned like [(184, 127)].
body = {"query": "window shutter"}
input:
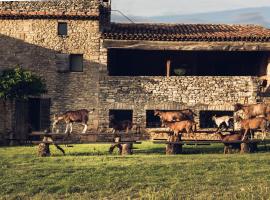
[(62, 62)]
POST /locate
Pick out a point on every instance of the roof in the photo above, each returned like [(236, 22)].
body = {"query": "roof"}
[(187, 32), (49, 9), (46, 15)]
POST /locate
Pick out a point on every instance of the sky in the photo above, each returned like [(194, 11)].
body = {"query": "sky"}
[(181, 7)]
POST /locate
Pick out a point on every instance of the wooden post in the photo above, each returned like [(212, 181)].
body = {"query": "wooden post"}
[(168, 68), (44, 150), (113, 146), (245, 148), (127, 149), (174, 148), (44, 147)]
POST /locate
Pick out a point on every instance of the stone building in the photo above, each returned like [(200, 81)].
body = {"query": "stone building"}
[(127, 70)]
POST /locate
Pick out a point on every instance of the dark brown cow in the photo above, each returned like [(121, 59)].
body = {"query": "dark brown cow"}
[(174, 116), (69, 117), (120, 125), (253, 110), (230, 138)]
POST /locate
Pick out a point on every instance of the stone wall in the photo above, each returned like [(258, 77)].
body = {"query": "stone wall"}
[(34, 44), (173, 93)]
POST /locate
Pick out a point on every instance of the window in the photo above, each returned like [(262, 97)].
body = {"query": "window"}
[(128, 62), (152, 121), (62, 28), (119, 116), (76, 62), (206, 117)]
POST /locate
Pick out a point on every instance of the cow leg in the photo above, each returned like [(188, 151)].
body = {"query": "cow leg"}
[(263, 134), (227, 125), (251, 134), (67, 128), (54, 126), (85, 128), (245, 134), (127, 130), (71, 127), (194, 134), (218, 128)]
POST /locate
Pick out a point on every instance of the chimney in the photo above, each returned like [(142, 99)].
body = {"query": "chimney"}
[(105, 15)]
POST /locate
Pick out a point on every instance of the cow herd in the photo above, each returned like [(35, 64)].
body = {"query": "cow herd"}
[(255, 116)]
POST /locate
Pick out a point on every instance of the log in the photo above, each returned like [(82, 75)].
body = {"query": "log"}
[(127, 149), (113, 146), (44, 147), (44, 150), (231, 148), (245, 148), (172, 149)]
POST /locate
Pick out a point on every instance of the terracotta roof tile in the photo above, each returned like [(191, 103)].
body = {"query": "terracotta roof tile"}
[(187, 32)]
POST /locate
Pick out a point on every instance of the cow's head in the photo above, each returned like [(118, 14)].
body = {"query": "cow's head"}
[(237, 118), (92, 110), (238, 107), (157, 112), (56, 119)]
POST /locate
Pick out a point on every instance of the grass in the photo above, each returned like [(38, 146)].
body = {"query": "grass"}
[(88, 172)]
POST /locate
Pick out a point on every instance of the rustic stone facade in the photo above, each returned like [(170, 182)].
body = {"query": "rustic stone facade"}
[(34, 44), (30, 40), (148, 93), (28, 43)]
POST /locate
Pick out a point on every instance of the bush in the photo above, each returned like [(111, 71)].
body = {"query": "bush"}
[(20, 84)]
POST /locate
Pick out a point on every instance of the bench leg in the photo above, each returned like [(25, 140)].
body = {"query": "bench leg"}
[(113, 146), (44, 150), (173, 149), (127, 149), (245, 148)]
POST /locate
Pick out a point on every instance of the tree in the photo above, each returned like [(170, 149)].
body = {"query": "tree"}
[(19, 84)]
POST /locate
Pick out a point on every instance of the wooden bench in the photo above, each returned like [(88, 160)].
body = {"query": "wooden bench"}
[(124, 146), (175, 147)]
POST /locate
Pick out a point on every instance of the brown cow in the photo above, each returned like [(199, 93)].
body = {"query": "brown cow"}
[(178, 127), (249, 125), (69, 117), (230, 138), (173, 116), (253, 110)]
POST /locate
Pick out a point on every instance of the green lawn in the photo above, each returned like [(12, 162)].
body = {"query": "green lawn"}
[(88, 172)]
